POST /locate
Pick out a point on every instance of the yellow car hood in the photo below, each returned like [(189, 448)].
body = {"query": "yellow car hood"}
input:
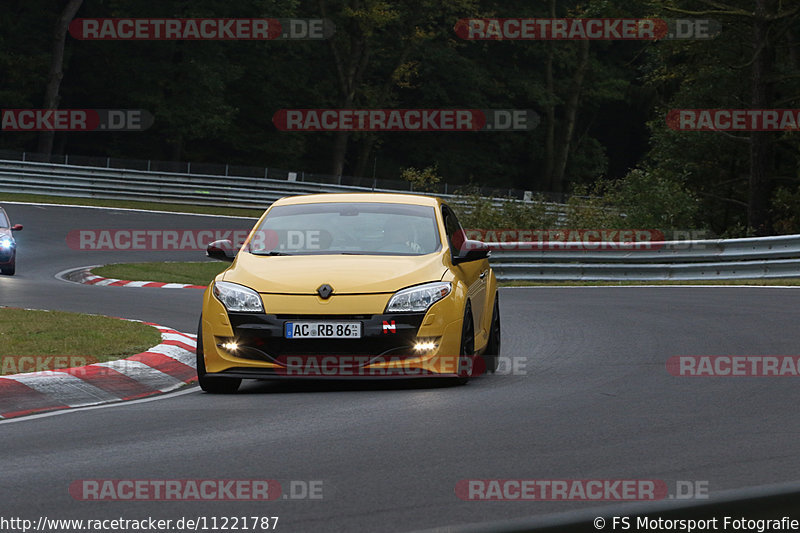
[(347, 274)]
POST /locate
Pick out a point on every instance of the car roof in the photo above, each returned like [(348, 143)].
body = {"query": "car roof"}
[(378, 197)]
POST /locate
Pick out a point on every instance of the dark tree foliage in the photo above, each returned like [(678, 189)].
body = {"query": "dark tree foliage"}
[(602, 104)]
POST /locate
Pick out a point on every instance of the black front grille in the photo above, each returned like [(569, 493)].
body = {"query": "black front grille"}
[(261, 336)]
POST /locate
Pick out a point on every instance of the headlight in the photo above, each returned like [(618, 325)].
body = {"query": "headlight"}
[(5, 243), (238, 297), (418, 298)]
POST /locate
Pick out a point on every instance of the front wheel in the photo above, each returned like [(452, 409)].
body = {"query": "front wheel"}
[(10, 268), (492, 354), (467, 351), (213, 385)]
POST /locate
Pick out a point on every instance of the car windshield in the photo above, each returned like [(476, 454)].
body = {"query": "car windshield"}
[(347, 228), (3, 219)]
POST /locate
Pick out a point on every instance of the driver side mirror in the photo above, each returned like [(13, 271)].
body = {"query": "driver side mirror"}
[(222, 250), (16, 227)]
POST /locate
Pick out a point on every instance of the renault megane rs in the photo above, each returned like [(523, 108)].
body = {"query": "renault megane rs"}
[(350, 285)]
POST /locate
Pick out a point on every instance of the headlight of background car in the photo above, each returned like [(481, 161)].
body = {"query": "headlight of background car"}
[(418, 298), (5, 243), (237, 297)]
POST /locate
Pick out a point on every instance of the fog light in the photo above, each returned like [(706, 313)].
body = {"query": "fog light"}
[(229, 346), (425, 346)]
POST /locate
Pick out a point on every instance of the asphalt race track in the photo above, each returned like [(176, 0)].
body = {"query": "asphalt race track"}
[(592, 401)]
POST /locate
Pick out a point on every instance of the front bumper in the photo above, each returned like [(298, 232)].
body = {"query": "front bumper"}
[(260, 337), (7, 254), (263, 352)]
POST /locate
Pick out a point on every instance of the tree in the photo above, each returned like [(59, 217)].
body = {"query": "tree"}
[(51, 94)]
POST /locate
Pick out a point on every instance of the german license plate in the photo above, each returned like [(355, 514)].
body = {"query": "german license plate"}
[(319, 330)]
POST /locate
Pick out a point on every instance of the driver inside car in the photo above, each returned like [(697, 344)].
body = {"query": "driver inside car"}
[(398, 238)]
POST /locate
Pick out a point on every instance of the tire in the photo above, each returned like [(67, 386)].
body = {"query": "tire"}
[(467, 350), (9, 269), (492, 353), (213, 385)]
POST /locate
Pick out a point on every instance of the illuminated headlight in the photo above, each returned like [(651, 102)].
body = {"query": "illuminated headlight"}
[(238, 298), (5, 243), (418, 298)]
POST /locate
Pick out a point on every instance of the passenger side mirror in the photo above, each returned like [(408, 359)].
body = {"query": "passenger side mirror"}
[(471, 251)]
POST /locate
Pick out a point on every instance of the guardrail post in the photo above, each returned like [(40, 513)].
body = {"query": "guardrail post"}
[(188, 168), (226, 169), (108, 162), (23, 157), (266, 170)]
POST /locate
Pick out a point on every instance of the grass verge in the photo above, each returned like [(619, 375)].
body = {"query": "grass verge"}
[(130, 204), (199, 273), (203, 272), (86, 338)]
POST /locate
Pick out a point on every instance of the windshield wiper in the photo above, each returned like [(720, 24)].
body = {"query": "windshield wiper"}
[(273, 252)]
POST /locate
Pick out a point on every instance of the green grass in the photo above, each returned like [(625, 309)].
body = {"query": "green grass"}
[(757, 282), (147, 206), (200, 273), (57, 333)]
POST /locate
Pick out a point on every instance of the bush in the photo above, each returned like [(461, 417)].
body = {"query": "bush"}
[(478, 212), (644, 199), (423, 180), (786, 211)]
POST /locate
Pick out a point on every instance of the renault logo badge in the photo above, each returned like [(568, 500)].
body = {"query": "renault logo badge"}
[(325, 291)]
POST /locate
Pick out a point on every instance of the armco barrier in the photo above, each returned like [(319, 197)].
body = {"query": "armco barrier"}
[(767, 257), (180, 188)]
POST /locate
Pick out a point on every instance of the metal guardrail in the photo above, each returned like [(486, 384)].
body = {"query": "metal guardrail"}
[(180, 188), (767, 257), (215, 169), (750, 258)]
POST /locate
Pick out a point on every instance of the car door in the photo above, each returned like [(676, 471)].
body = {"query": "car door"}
[(474, 273)]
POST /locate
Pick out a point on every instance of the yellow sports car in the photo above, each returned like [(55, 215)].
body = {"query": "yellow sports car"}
[(346, 286)]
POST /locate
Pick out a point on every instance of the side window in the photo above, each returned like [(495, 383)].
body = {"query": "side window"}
[(455, 234)]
